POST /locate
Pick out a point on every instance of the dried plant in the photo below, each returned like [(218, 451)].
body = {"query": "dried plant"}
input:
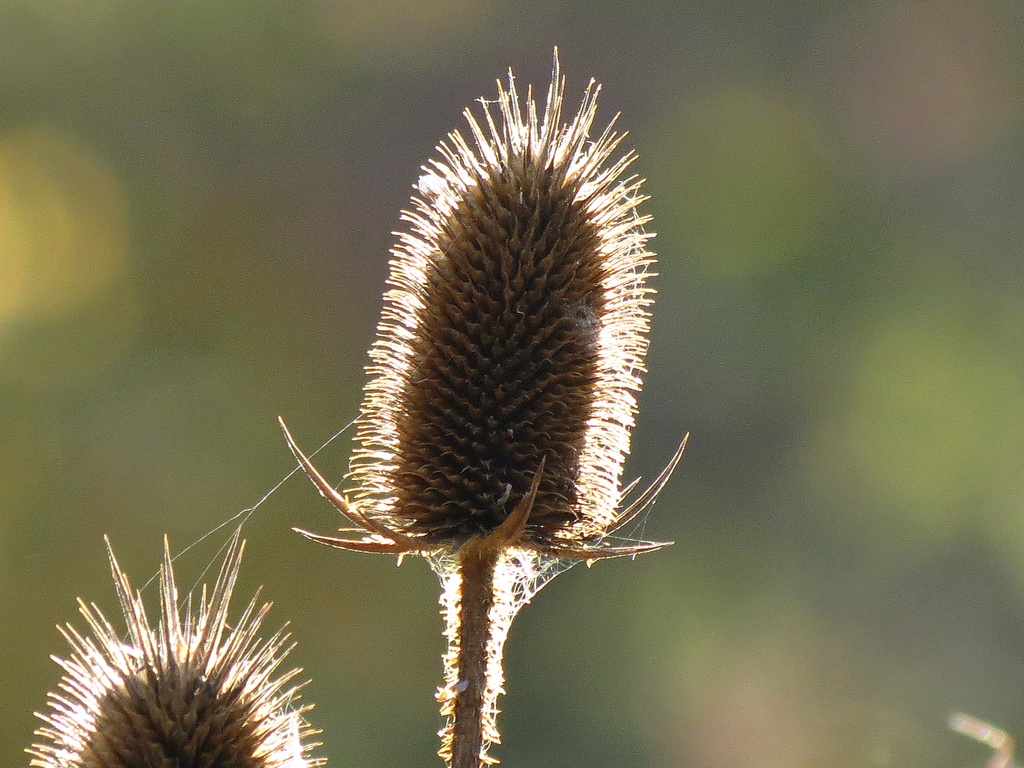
[(991, 736), (191, 692), (503, 381)]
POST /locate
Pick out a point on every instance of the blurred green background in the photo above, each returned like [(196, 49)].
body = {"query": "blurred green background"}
[(195, 206)]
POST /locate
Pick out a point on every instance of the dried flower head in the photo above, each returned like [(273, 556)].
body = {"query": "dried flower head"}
[(503, 380), (191, 692), (513, 337)]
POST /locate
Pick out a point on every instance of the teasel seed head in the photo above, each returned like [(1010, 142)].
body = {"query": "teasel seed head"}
[(503, 381), (514, 332), (191, 692)]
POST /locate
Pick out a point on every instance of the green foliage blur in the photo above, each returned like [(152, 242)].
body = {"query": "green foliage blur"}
[(196, 200)]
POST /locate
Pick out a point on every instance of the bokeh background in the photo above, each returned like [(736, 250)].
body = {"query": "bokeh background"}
[(195, 206)]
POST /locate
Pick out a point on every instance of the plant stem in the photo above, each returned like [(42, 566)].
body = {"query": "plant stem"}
[(477, 561), (479, 607)]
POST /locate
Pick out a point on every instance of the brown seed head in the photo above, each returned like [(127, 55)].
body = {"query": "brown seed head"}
[(513, 333), (503, 382), (190, 693)]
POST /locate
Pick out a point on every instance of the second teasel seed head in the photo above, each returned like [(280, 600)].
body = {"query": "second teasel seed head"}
[(193, 689)]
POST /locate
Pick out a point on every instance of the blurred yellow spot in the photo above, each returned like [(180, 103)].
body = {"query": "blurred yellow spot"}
[(68, 305), (750, 178), (62, 226)]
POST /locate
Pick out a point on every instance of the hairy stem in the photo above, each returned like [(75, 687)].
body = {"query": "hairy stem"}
[(470, 717), (481, 592)]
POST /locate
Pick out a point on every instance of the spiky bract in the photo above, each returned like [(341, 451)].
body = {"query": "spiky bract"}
[(192, 692)]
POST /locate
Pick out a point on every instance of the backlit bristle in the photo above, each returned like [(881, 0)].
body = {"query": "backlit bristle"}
[(191, 691)]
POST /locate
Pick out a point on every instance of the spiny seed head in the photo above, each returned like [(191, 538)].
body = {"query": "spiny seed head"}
[(192, 692), (511, 342), (514, 330)]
